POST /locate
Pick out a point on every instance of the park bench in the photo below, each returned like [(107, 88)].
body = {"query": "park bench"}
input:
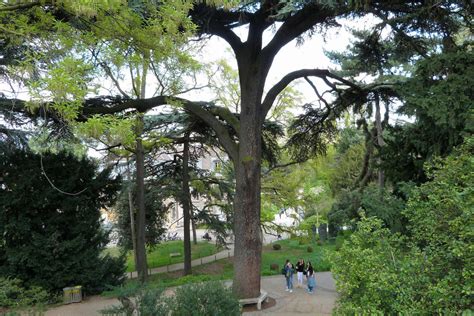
[(175, 254), (262, 298)]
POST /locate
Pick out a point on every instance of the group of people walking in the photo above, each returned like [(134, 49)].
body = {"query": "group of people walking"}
[(301, 270)]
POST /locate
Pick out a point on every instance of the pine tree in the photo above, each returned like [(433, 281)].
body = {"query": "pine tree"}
[(50, 221)]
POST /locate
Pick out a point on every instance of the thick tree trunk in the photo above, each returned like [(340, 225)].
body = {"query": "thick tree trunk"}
[(248, 236), (186, 203), (141, 222)]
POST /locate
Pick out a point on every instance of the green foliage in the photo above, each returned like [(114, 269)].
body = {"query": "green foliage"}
[(13, 294), (347, 168), (441, 218), (309, 249), (428, 271), (155, 217), (372, 274), (440, 98), (276, 246), (339, 242), (53, 238), (210, 298), (202, 299), (109, 129), (375, 202), (139, 300)]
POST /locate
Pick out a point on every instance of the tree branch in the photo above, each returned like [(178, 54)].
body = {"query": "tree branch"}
[(13, 7), (111, 106), (218, 22), (224, 137), (286, 80), (266, 172), (296, 25)]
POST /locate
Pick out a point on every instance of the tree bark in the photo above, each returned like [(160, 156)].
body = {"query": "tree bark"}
[(380, 141), (186, 203), (141, 221), (132, 226), (247, 230)]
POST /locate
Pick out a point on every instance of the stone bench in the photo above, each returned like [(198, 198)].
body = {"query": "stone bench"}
[(258, 300), (175, 254)]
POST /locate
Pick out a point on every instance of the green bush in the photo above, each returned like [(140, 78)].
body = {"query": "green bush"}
[(303, 240), (202, 299), (13, 294), (339, 241), (309, 249), (148, 301), (276, 246), (50, 239), (211, 298), (426, 272)]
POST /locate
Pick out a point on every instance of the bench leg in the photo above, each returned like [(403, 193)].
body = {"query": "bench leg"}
[(259, 305)]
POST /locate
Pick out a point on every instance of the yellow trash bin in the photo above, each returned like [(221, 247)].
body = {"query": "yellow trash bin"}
[(77, 294)]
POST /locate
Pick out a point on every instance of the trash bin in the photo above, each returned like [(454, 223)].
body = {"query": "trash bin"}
[(77, 294), (67, 292), (72, 294)]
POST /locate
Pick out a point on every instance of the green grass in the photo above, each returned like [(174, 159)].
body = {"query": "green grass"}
[(159, 255)]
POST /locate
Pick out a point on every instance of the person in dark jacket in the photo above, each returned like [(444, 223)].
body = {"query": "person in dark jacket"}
[(289, 270), (300, 266)]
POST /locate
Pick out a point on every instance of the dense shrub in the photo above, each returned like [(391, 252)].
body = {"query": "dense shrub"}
[(203, 299), (426, 272), (339, 241), (52, 239), (309, 249), (382, 204), (13, 294), (276, 246)]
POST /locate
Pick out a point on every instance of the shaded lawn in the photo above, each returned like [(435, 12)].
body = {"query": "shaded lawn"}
[(159, 255)]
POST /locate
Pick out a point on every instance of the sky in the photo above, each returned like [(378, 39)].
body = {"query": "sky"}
[(290, 58)]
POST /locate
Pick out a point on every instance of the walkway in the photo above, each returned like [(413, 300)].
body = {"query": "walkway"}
[(220, 255), (300, 303), (197, 262)]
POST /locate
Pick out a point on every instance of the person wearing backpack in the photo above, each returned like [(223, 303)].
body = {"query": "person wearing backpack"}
[(289, 270)]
